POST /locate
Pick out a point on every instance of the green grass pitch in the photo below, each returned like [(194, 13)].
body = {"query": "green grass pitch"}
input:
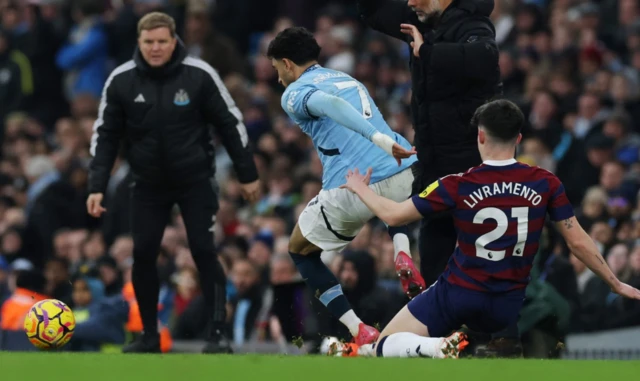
[(192, 367)]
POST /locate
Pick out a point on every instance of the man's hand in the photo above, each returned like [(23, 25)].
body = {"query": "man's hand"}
[(251, 191), (418, 40), (627, 291), (355, 179), (93, 205), (399, 152)]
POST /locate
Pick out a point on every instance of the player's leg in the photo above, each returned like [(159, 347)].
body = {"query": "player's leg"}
[(326, 287), (150, 210), (409, 334), (410, 278), (199, 204), (398, 188), (437, 241)]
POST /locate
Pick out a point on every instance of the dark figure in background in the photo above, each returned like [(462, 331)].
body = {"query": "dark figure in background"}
[(161, 104), (454, 69)]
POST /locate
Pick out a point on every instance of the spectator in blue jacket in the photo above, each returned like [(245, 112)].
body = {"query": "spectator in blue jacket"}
[(99, 320), (84, 56)]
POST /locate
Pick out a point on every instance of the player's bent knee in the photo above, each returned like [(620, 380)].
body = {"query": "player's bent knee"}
[(298, 244)]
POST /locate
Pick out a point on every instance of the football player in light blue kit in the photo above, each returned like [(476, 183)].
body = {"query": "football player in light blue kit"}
[(348, 132)]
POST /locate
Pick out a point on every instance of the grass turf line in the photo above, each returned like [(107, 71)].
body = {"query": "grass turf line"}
[(192, 367)]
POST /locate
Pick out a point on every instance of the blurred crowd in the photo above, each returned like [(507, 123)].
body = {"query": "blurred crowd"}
[(573, 66)]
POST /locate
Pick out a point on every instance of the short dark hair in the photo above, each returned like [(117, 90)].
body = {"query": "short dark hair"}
[(296, 44), (502, 119)]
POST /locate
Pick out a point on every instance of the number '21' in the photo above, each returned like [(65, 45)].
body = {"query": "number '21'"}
[(521, 213)]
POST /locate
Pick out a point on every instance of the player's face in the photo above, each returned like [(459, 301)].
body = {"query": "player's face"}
[(426, 9), (285, 72), (157, 46)]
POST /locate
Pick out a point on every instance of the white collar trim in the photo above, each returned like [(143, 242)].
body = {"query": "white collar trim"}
[(500, 163)]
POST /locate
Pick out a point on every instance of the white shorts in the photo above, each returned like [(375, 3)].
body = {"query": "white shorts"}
[(334, 217)]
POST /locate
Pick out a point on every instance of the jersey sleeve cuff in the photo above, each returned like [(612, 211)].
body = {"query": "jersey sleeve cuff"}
[(304, 103), (562, 213), (421, 205)]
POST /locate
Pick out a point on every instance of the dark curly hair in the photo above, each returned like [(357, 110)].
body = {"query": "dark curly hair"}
[(296, 44)]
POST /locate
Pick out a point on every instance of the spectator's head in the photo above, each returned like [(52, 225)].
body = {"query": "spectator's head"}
[(86, 290), (62, 244), (292, 52), (56, 271), (612, 175), (122, 251), (93, 248), (260, 251), (544, 105), (283, 270), (358, 273), (244, 276), (594, 202), (38, 166), (602, 233), (499, 124), (83, 9), (617, 126), (12, 14), (599, 149), (197, 24), (157, 38), (187, 284), (588, 106), (31, 280), (310, 188), (617, 258), (11, 242), (108, 270)]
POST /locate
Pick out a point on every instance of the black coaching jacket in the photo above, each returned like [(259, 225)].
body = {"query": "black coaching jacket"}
[(457, 71), (164, 117)]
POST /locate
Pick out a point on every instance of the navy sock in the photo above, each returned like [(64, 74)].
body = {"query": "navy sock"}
[(379, 347), (393, 230), (321, 280)]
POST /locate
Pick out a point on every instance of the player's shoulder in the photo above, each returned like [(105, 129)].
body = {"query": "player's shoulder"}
[(206, 72), (323, 74), (118, 72), (536, 172), (295, 93)]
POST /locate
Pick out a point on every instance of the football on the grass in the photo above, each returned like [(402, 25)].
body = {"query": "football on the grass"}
[(49, 324)]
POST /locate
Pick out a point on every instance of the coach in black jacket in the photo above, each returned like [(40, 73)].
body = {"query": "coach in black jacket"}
[(161, 104), (454, 67)]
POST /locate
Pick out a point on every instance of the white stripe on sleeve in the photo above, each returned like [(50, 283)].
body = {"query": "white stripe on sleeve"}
[(103, 103), (231, 105)]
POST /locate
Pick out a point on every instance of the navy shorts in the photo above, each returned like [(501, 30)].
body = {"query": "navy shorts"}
[(445, 307)]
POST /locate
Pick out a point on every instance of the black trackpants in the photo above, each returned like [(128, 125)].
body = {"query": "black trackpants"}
[(150, 212), (437, 241)]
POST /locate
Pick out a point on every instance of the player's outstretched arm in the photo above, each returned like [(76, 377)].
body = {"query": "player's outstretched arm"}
[(583, 247), (389, 211), (321, 104)]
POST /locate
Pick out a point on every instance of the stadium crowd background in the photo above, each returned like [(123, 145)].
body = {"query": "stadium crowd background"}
[(573, 66)]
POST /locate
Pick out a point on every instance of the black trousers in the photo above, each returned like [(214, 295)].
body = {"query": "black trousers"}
[(150, 212), (436, 244)]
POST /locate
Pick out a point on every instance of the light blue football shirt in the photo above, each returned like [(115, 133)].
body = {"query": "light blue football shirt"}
[(338, 147)]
